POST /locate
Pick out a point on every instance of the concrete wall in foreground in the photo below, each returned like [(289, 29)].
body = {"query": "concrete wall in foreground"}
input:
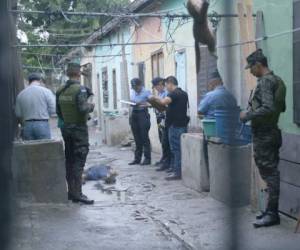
[(194, 166), (39, 171), (230, 173)]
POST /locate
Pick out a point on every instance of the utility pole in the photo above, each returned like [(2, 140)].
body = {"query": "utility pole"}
[(125, 84), (9, 77)]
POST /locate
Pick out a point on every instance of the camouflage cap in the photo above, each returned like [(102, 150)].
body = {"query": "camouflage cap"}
[(255, 57), (73, 68)]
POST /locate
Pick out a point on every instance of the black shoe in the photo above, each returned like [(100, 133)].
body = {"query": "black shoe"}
[(83, 199), (135, 162), (146, 162), (270, 219), (173, 177)]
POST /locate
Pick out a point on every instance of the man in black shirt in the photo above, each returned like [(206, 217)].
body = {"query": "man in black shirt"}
[(176, 104)]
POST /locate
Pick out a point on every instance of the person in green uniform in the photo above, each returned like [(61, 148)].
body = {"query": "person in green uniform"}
[(73, 110), (266, 105)]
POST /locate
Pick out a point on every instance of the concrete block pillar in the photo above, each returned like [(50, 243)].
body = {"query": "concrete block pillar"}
[(194, 167), (116, 129), (39, 170), (230, 173)]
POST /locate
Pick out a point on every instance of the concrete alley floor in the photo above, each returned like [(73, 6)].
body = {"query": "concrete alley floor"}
[(141, 212)]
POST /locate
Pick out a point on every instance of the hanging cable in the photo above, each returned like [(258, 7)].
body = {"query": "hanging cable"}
[(68, 19), (85, 45), (40, 64), (121, 15)]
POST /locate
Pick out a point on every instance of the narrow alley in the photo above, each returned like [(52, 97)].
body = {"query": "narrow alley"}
[(141, 211), (150, 125)]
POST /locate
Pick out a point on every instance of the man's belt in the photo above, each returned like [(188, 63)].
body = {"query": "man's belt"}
[(37, 120)]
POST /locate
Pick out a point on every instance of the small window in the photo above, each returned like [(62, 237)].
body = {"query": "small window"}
[(105, 88), (157, 61), (114, 79), (208, 64)]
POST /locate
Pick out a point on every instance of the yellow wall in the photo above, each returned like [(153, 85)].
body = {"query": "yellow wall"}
[(150, 30)]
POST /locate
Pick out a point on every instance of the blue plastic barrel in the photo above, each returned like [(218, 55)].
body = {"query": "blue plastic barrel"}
[(244, 134), (227, 122)]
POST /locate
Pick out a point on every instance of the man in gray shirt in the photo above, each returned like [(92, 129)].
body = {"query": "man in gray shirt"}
[(34, 106)]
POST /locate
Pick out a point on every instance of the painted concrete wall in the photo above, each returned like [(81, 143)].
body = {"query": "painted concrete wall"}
[(278, 17), (113, 63), (184, 41), (150, 30), (89, 59), (279, 51), (182, 33)]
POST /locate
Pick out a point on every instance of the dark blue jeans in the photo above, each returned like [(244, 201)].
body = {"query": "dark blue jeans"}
[(175, 146), (36, 130)]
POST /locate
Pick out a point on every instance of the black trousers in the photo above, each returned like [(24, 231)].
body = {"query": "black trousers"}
[(140, 126)]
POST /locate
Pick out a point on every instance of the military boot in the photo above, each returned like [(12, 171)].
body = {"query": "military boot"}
[(269, 219), (79, 196)]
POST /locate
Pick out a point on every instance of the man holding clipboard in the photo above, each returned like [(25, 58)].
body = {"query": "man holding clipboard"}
[(140, 122)]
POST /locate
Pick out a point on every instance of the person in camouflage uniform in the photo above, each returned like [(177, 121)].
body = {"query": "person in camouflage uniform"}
[(73, 109), (266, 105)]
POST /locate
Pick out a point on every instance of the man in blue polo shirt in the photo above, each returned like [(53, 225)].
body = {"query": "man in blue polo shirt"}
[(218, 97), (140, 122)]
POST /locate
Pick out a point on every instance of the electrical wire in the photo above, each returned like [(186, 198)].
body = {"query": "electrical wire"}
[(128, 41), (40, 64), (68, 19), (61, 55), (275, 35), (121, 15), (84, 45), (43, 68)]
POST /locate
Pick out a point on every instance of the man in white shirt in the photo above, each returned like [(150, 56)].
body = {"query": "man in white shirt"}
[(34, 106)]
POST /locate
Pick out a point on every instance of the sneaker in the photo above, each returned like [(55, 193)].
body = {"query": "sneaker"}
[(261, 215), (270, 219)]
